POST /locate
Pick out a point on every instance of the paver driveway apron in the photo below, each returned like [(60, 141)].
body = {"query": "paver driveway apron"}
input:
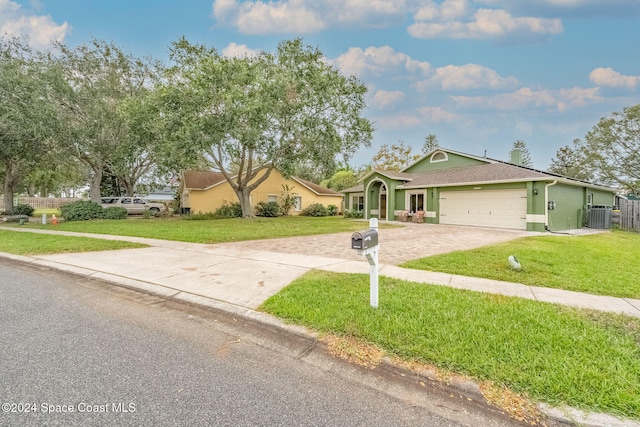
[(247, 273)]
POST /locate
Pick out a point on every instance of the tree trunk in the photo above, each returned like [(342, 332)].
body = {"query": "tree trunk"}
[(245, 202), (9, 185), (94, 184), (8, 194), (128, 188)]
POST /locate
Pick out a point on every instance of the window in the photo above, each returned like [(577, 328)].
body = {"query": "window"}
[(438, 156), (126, 201), (357, 203), (138, 201), (272, 198), (297, 203), (416, 202)]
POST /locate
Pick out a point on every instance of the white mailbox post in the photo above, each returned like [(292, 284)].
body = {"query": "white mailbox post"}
[(366, 242)]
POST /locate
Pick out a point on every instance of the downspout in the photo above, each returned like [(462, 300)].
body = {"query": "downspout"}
[(546, 203)]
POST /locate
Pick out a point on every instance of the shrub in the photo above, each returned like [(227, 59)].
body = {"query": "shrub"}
[(151, 213), (315, 209), (81, 210), (332, 210), (234, 210), (114, 212), (268, 209), (353, 214), (22, 209)]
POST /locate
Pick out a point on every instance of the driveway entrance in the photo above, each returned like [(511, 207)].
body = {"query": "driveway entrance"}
[(397, 245)]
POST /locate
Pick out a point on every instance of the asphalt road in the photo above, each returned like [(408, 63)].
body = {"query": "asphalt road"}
[(76, 351)]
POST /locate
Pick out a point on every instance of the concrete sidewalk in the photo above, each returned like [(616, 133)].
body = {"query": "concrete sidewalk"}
[(245, 275)]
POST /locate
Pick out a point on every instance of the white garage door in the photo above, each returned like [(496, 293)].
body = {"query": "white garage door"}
[(486, 208)]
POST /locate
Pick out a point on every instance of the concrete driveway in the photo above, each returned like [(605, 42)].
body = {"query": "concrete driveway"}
[(397, 245)]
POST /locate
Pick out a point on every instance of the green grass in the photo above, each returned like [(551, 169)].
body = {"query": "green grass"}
[(214, 231), (18, 243), (551, 353), (601, 264), (49, 211)]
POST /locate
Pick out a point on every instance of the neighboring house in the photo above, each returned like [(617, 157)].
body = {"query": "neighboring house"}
[(157, 194), (204, 191), (462, 189)]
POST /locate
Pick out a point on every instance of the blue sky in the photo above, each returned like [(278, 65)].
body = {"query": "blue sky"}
[(479, 74)]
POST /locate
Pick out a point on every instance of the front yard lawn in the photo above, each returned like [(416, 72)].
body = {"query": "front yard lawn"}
[(18, 243), (216, 230), (554, 354), (601, 264)]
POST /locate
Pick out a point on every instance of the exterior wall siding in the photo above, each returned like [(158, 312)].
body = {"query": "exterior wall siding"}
[(203, 201), (453, 161), (569, 207), (602, 197)]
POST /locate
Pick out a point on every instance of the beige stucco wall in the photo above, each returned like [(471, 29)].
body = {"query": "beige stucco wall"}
[(203, 201)]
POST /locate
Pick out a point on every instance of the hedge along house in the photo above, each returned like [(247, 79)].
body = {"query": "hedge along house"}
[(206, 191), (461, 189)]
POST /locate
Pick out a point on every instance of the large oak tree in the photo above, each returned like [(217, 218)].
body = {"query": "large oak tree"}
[(99, 79), (250, 115), (28, 118)]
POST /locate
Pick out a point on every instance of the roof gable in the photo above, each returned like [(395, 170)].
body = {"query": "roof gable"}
[(443, 158), (318, 189), (201, 180)]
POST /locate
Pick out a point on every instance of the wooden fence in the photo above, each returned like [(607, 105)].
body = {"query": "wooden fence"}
[(630, 215), (41, 202)]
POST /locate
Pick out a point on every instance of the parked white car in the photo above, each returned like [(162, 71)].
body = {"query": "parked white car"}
[(133, 205)]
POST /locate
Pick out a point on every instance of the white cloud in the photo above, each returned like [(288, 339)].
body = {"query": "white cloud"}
[(569, 8), (525, 98), (278, 17), (379, 61), (301, 16), (398, 121), (41, 29), (234, 50), (456, 19), (438, 115), (465, 77), (612, 78), (384, 99)]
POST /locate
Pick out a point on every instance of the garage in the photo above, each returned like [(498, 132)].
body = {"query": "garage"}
[(485, 208)]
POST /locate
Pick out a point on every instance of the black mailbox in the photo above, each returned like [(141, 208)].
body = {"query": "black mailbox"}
[(364, 239)]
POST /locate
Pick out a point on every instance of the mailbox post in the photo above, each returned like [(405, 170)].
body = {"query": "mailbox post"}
[(366, 242)]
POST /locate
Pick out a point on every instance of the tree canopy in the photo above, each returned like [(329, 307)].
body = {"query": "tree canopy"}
[(395, 157), (570, 161), (250, 115), (28, 118), (99, 79), (525, 154), (430, 143), (612, 149)]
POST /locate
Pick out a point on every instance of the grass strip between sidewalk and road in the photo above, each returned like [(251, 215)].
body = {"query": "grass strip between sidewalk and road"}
[(601, 264), (18, 243), (551, 353), (215, 230)]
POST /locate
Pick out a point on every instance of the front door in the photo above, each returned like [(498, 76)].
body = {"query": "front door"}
[(383, 206)]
